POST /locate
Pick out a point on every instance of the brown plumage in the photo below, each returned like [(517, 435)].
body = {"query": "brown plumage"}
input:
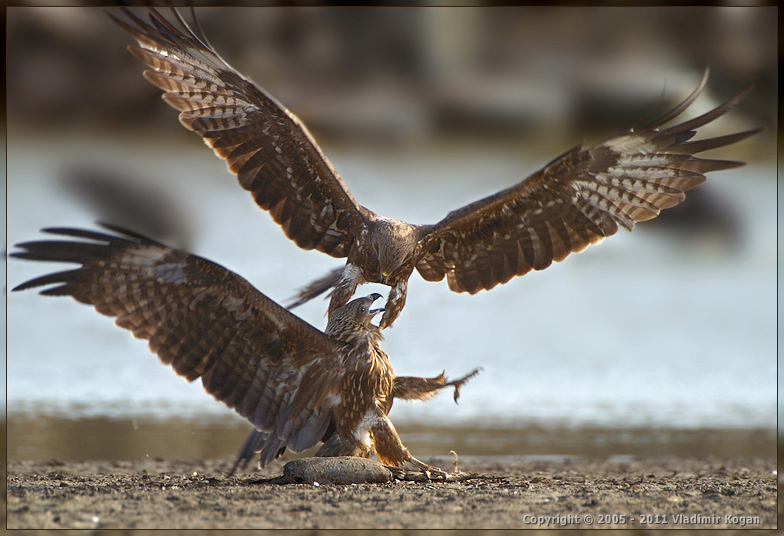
[(577, 200), (295, 384)]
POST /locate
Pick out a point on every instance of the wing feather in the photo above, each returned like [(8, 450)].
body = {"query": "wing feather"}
[(576, 200), (264, 144), (274, 369)]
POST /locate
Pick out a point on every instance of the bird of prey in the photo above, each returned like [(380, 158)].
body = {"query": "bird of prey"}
[(576, 200), (295, 384)]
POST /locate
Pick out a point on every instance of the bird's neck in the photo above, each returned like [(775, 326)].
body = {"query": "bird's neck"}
[(369, 339), (365, 348)]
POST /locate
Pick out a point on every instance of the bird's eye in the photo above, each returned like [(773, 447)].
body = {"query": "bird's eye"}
[(363, 309)]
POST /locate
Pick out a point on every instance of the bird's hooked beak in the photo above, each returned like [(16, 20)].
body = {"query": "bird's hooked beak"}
[(373, 297)]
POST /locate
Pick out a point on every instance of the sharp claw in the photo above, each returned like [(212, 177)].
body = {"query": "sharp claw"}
[(429, 470), (460, 381)]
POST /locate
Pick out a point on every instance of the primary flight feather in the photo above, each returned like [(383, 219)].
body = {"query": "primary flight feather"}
[(577, 200), (298, 386)]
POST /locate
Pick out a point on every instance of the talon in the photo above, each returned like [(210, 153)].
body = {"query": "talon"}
[(460, 381), (429, 470)]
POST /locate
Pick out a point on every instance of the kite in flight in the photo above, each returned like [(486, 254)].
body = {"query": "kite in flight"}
[(576, 200), (295, 384)]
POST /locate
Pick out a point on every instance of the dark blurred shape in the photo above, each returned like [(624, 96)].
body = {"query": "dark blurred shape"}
[(131, 203), (705, 216)]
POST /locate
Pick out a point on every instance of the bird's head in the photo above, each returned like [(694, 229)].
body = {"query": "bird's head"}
[(392, 243), (353, 320)]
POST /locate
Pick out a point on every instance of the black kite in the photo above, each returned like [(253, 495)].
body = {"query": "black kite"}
[(578, 199), (295, 384)]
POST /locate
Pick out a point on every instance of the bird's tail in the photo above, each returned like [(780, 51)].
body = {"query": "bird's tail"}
[(315, 288)]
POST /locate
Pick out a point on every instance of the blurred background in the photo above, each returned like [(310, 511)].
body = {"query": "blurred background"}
[(662, 341)]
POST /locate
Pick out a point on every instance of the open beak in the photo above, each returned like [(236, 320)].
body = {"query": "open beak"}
[(374, 297)]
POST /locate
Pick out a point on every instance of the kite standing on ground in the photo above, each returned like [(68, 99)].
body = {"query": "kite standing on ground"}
[(296, 385)]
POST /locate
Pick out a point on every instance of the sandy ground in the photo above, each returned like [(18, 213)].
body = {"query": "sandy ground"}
[(571, 493)]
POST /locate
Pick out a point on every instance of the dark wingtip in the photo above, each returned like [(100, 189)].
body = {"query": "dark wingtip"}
[(675, 112), (22, 286), (239, 463)]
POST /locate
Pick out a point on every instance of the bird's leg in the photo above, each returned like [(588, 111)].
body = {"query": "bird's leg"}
[(340, 446), (429, 470), (395, 302), (391, 451), (413, 388), (458, 383), (350, 278)]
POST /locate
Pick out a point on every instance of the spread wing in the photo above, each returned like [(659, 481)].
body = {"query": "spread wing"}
[(273, 368), (266, 146), (577, 200)]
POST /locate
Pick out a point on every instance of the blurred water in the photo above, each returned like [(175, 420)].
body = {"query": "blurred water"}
[(41, 437), (646, 329)]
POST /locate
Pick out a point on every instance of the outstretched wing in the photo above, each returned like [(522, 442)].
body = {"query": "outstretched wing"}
[(578, 199), (273, 368), (266, 146)]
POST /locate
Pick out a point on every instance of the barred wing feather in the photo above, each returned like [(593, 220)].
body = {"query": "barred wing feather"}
[(274, 369), (577, 200)]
